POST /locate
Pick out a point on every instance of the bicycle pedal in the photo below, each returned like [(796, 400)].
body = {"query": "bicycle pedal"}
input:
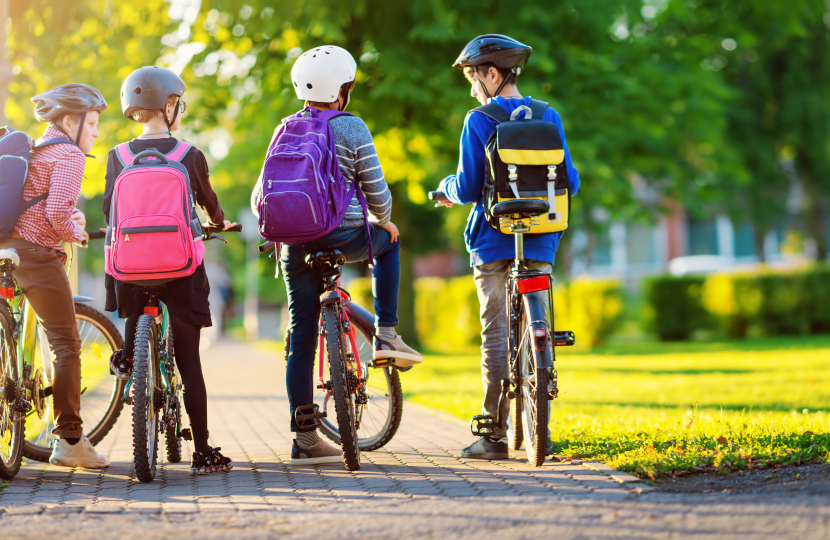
[(564, 338), (186, 434), (382, 362), (483, 424)]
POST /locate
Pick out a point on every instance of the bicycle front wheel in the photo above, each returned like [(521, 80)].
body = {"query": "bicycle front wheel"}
[(379, 419), (101, 391), (11, 432), (342, 386), (146, 395), (535, 385)]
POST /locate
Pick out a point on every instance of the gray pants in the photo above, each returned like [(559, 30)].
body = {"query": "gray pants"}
[(491, 280)]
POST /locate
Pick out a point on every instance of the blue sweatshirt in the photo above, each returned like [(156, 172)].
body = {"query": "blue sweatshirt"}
[(465, 187)]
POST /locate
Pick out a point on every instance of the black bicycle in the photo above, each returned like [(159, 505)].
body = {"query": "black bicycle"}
[(533, 379), (156, 384), (367, 395)]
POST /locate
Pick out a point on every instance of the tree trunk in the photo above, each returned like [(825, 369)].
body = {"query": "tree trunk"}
[(758, 235), (406, 298)]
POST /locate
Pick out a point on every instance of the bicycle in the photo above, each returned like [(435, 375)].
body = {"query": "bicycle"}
[(368, 408), (156, 385), (533, 378), (25, 372)]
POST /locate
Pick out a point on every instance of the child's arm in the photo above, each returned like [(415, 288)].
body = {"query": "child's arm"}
[(370, 176), (205, 196), (464, 187), (64, 190), (109, 185), (573, 173)]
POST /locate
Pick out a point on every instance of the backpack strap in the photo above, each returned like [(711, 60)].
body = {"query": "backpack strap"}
[(50, 142), (124, 154), (179, 151), (494, 111), (538, 108), (25, 205)]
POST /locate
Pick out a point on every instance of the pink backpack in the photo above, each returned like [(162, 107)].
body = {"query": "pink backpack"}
[(154, 234)]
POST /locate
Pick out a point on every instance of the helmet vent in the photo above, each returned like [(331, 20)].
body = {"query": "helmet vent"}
[(309, 86), (138, 90)]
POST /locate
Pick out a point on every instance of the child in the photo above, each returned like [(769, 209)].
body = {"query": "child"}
[(153, 96), (55, 175), (491, 64), (319, 76)]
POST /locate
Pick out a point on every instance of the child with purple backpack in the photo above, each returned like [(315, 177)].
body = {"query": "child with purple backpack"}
[(153, 96), (311, 203)]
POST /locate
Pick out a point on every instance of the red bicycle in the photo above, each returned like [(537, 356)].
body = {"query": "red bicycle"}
[(366, 393)]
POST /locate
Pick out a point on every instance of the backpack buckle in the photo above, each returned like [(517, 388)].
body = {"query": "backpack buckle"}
[(551, 172), (512, 172)]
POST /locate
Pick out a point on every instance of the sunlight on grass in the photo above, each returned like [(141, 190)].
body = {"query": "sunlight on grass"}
[(670, 408)]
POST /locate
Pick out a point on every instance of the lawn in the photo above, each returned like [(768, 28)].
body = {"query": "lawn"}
[(670, 409)]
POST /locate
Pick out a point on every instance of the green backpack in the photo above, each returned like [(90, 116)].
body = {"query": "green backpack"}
[(526, 160)]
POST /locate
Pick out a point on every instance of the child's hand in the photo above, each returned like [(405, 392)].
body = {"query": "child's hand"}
[(228, 225), (448, 204), (391, 229), (79, 218)]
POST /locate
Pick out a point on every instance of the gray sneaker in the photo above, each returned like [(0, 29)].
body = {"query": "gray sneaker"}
[(396, 349), (486, 448), (320, 453)]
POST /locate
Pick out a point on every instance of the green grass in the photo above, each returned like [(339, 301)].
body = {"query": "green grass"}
[(670, 408)]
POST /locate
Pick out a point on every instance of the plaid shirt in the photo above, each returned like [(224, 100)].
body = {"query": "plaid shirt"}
[(58, 169)]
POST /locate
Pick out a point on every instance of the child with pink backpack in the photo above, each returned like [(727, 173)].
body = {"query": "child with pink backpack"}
[(154, 238)]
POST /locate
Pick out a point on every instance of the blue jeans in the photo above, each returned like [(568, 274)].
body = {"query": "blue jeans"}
[(305, 285)]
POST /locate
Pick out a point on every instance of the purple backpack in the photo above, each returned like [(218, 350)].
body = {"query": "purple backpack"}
[(304, 194)]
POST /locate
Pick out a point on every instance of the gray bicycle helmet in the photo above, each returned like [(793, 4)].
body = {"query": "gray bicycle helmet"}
[(497, 49), (148, 88), (67, 99)]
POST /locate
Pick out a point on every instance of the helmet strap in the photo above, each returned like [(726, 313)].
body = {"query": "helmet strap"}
[(80, 130), (507, 79), (483, 88), (175, 115)]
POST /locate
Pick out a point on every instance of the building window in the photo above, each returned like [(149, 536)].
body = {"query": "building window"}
[(744, 241), (601, 254), (703, 237), (639, 245)]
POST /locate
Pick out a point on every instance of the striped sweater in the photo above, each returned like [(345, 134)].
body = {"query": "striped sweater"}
[(358, 158)]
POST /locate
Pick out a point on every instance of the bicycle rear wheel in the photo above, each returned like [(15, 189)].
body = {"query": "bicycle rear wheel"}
[(146, 386), (101, 392), (515, 436), (11, 433), (341, 387), (379, 419), (535, 385)]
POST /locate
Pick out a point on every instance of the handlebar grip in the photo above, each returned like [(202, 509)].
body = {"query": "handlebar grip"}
[(97, 235), (235, 228), (437, 196), (267, 246)]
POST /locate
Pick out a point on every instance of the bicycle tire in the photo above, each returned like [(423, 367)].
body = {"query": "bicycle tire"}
[(535, 404), (515, 436), (145, 423), (13, 431), (174, 444), (113, 409), (343, 404), (394, 396)]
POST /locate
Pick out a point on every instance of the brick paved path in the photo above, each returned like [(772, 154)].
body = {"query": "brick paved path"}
[(417, 486)]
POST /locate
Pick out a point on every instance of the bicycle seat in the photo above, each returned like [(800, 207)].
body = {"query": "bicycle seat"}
[(333, 257), (11, 255), (522, 207)]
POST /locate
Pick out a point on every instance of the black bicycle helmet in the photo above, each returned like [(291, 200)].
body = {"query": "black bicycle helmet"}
[(503, 51), (67, 99), (148, 88)]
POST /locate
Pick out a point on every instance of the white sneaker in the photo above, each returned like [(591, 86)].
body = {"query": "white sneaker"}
[(320, 453), (403, 354), (82, 455)]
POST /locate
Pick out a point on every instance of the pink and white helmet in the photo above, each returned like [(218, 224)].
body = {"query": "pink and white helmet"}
[(319, 73)]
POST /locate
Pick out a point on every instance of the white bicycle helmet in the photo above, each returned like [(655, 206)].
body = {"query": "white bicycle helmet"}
[(319, 73)]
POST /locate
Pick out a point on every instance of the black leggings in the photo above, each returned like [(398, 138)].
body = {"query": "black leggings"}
[(186, 347)]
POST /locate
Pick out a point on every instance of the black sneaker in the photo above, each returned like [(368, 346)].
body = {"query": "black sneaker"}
[(122, 369), (211, 462), (487, 448)]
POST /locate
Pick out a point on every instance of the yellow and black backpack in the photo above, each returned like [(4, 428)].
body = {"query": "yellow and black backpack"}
[(526, 160)]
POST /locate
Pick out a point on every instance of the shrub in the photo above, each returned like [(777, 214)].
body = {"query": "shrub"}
[(675, 306), (447, 310)]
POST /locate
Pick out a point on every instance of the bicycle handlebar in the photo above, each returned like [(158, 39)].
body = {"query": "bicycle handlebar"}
[(209, 232), (437, 196), (267, 246), (97, 235)]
